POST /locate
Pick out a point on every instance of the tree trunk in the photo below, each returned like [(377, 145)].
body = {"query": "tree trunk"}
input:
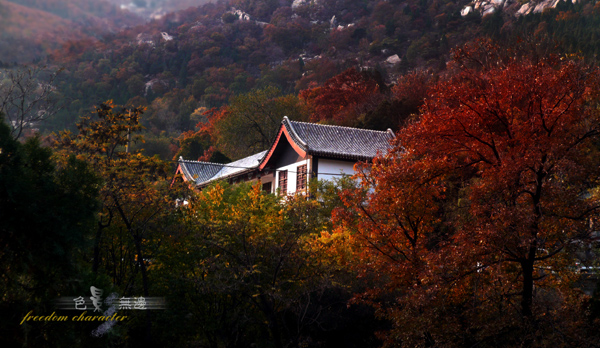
[(101, 226), (527, 296), (272, 319), (96, 260), (145, 283)]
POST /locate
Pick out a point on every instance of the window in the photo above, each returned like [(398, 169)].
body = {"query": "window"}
[(283, 182), (301, 178), (267, 187)]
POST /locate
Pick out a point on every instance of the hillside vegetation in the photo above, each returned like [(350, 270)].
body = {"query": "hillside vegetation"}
[(31, 29), (186, 63), (477, 229)]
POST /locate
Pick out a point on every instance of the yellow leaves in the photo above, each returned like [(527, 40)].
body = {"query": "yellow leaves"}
[(212, 196)]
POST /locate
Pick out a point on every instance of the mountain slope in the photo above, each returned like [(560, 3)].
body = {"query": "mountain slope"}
[(30, 29), (201, 57)]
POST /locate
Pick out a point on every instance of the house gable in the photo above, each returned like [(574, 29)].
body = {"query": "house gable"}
[(283, 152), (283, 142)]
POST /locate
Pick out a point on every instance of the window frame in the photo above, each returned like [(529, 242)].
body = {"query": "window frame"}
[(301, 177), (283, 182)]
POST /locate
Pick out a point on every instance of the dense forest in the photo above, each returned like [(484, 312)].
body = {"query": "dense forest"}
[(186, 63), (473, 231)]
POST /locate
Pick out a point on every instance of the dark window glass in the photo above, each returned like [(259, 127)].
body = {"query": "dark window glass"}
[(301, 178), (283, 182)]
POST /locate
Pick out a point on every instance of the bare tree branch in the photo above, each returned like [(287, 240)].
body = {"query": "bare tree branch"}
[(27, 96)]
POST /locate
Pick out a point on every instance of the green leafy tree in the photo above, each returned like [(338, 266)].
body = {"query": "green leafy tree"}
[(252, 121), (136, 199), (47, 209), (249, 269)]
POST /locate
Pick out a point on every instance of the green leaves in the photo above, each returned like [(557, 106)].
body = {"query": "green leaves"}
[(241, 248), (47, 208), (252, 120)]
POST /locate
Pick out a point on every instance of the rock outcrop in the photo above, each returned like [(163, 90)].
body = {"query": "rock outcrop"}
[(516, 7)]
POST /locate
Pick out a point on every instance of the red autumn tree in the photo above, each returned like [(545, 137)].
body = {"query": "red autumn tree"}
[(198, 144), (471, 221), (336, 99)]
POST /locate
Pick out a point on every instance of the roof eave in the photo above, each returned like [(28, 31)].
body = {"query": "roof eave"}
[(226, 177), (337, 155)]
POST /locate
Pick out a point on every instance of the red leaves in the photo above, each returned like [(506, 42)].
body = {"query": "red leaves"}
[(334, 100), (522, 125), (479, 200)]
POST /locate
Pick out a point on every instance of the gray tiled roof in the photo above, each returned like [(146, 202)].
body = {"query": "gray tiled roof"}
[(199, 171), (337, 141), (203, 172), (241, 165)]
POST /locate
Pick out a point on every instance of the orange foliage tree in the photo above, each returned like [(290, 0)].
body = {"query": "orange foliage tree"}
[(242, 256), (197, 144), (472, 221), (135, 194)]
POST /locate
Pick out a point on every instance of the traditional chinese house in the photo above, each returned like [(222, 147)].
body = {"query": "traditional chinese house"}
[(302, 151)]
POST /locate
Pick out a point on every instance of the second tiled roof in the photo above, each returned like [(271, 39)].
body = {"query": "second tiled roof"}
[(203, 172)]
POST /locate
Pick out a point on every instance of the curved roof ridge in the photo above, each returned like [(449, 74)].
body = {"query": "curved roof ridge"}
[(219, 164), (346, 127), (286, 119), (198, 171), (181, 159), (256, 155)]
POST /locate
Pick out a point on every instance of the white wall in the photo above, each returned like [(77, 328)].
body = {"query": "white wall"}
[(292, 171), (327, 167), (268, 178)]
